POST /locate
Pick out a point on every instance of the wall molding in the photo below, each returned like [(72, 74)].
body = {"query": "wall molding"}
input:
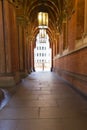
[(79, 45), (78, 81), (81, 42)]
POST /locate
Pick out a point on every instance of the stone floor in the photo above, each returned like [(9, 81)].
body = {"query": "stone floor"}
[(44, 102)]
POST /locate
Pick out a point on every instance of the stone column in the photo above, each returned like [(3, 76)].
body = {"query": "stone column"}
[(23, 46), (53, 49), (7, 44), (85, 18), (65, 34), (22, 50), (7, 36), (51, 46), (20, 42), (28, 58), (26, 50), (2, 45), (57, 43), (31, 55)]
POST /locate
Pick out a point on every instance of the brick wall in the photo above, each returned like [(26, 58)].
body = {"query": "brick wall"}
[(75, 62), (73, 68), (73, 65)]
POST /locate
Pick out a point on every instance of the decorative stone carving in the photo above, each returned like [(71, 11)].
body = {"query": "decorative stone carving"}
[(66, 11)]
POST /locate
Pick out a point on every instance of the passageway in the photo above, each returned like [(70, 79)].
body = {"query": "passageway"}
[(43, 35), (44, 102)]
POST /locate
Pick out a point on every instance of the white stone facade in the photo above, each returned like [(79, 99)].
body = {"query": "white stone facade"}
[(42, 54)]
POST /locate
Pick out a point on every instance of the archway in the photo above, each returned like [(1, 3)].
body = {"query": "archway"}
[(42, 54)]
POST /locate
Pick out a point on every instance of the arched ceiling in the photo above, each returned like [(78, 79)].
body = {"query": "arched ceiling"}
[(57, 11)]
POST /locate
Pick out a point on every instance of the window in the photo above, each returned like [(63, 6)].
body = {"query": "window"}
[(42, 54), (42, 48)]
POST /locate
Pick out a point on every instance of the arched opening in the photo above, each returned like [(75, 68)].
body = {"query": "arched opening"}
[(42, 53)]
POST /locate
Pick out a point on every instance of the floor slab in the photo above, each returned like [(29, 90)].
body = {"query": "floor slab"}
[(44, 102)]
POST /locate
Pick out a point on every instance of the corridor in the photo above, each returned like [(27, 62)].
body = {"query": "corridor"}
[(44, 102)]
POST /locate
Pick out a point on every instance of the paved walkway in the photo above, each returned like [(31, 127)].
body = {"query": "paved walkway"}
[(44, 102)]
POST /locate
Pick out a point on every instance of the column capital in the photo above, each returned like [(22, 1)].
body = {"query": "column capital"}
[(11, 1), (8, 0), (22, 20)]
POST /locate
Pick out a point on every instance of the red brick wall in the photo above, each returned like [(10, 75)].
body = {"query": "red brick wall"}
[(73, 66), (75, 62)]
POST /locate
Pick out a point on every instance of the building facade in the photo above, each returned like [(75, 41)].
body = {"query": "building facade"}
[(42, 54)]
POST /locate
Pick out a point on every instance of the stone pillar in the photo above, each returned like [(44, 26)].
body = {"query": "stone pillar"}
[(85, 18), (2, 45), (57, 43), (65, 34), (61, 44), (80, 19), (20, 42), (8, 45), (51, 46), (32, 57), (31, 54), (26, 50), (53, 49), (7, 36), (29, 57), (56, 46)]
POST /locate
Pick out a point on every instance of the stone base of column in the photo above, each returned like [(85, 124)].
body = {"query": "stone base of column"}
[(1, 95), (23, 74), (29, 71), (85, 39), (9, 80)]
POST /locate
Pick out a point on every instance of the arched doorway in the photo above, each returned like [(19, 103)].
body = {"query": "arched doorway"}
[(42, 54)]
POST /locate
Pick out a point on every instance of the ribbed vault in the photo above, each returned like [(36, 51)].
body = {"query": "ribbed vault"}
[(58, 10)]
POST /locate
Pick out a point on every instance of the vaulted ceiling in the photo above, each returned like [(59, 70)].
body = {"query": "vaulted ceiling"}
[(27, 10)]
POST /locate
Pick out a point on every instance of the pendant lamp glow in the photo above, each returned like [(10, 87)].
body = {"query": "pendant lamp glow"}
[(43, 19), (42, 33)]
